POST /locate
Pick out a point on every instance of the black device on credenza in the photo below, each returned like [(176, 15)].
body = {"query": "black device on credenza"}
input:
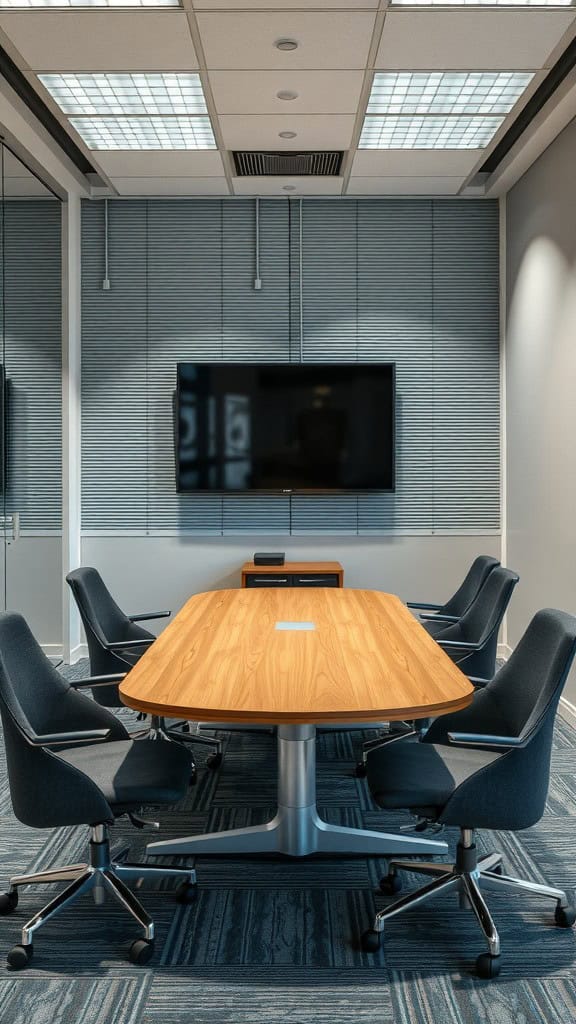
[(269, 558), (285, 428)]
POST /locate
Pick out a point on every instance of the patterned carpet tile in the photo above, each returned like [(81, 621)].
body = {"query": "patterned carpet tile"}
[(273, 997), (62, 1000), (452, 999)]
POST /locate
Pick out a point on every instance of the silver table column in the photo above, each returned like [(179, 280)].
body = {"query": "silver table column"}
[(297, 829)]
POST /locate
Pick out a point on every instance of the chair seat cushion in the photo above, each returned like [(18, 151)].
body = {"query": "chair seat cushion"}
[(131, 773), (411, 774)]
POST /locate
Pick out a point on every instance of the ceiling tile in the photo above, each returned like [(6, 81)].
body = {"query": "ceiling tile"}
[(424, 162), (96, 40), (313, 131), (178, 163), (488, 39), (284, 5), (171, 186), (254, 92), (408, 186), (275, 186), (326, 40)]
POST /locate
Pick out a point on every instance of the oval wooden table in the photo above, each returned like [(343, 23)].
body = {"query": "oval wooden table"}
[(296, 658)]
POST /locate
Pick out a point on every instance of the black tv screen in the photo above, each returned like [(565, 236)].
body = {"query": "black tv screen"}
[(285, 427)]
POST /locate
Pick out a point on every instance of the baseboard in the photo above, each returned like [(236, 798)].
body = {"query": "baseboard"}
[(568, 710), (77, 653), (53, 651), (504, 651)]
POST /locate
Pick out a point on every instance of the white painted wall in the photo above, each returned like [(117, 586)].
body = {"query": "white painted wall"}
[(541, 386), (150, 573)]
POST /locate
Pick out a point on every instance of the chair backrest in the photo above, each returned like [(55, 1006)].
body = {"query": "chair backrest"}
[(520, 701), (481, 623), (477, 574), (34, 700), (104, 622)]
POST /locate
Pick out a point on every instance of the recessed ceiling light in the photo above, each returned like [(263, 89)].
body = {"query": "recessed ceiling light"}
[(287, 94), (92, 94), (89, 3), (286, 44), (145, 132), (287, 135), (439, 110), (289, 188)]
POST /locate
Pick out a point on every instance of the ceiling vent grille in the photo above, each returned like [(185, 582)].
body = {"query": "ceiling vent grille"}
[(321, 164)]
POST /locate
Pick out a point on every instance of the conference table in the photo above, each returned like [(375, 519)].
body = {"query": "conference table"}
[(296, 659)]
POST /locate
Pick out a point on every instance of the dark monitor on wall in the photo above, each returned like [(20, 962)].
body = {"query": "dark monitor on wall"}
[(285, 428)]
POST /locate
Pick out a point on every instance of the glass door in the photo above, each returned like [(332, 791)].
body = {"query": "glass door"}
[(32, 411)]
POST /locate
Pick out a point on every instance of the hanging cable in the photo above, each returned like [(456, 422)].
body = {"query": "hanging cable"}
[(106, 281), (257, 278)]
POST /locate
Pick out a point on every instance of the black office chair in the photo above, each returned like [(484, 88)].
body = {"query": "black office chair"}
[(459, 603), (115, 643), (487, 766), (71, 762), (472, 643)]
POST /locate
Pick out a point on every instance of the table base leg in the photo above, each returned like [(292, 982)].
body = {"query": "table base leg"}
[(297, 830)]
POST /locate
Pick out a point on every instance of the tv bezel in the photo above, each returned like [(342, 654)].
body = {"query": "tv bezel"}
[(282, 491)]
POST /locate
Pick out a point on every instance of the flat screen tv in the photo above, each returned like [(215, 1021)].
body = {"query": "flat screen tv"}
[(285, 428)]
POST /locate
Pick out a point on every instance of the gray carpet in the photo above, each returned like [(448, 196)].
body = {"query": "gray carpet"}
[(274, 941)]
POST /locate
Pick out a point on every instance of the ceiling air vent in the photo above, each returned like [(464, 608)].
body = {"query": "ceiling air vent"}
[(266, 165)]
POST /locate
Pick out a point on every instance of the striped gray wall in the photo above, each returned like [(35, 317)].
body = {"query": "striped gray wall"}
[(33, 361), (415, 282)]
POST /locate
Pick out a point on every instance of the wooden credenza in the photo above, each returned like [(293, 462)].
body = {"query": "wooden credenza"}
[(293, 574)]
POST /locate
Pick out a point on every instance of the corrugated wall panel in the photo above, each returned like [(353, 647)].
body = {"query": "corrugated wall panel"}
[(33, 361), (413, 282)]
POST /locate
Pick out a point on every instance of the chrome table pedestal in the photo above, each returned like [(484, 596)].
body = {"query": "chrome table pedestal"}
[(297, 830)]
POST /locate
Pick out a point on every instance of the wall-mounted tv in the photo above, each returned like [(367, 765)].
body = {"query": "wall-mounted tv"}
[(286, 428)]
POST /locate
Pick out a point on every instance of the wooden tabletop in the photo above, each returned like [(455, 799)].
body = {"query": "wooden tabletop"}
[(367, 658)]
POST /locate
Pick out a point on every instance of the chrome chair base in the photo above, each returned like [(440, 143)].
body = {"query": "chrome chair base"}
[(466, 876), (99, 875)]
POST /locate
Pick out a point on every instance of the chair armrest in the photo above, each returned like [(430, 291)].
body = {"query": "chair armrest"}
[(457, 645), (96, 681), (475, 739), (440, 618), (478, 681), (423, 604), (143, 616), (59, 739), (125, 645)]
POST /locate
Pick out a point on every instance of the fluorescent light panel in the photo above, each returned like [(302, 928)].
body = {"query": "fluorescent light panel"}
[(145, 132), (483, 3), (89, 3), (439, 110), (169, 93), (428, 132), (453, 92)]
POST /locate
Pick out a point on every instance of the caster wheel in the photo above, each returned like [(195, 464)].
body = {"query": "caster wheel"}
[(8, 902), (391, 884), (370, 941), (19, 957), (565, 916), (487, 966), (140, 952), (186, 892), (214, 761), (360, 770)]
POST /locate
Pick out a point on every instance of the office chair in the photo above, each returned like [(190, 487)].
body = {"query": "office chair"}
[(115, 643), (459, 603), (71, 762), (472, 643), (487, 766)]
